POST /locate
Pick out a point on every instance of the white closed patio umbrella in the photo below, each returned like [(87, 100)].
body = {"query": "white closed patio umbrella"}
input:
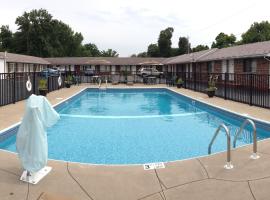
[(31, 142)]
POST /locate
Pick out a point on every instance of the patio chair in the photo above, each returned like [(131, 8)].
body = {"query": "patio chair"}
[(115, 79), (130, 80)]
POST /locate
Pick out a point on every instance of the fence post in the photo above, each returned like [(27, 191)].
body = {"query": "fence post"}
[(225, 85), (34, 82), (185, 79), (195, 80), (48, 83), (14, 86), (250, 89)]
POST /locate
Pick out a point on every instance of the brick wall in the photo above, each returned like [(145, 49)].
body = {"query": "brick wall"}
[(262, 66), (238, 66), (218, 66)]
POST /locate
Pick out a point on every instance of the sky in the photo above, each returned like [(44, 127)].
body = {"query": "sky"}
[(129, 26)]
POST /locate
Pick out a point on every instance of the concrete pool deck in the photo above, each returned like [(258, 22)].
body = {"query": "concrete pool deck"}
[(198, 178)]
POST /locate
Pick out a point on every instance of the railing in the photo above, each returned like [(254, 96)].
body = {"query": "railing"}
[(13, 85), (246, 122), (252, 89), (228, 165)]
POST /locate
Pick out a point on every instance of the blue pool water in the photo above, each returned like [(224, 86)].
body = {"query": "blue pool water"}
[(134, 126)]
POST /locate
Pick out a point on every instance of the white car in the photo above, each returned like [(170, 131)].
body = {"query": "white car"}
[(149, 72)]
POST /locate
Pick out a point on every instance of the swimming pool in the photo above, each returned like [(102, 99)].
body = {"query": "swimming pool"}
[(136, 126)]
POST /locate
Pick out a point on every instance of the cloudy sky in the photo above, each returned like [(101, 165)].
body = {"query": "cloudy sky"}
[(129, 26)]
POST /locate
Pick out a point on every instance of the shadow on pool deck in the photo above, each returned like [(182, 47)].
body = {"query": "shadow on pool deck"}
[(198, 178)]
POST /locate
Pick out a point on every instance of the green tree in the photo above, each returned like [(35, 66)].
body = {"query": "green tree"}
[(91, 49), (142, 54), (183, 45), (6, 39), (200, 48), (164, 42), (257, 32), (109, 53), (223, 40), (175, 52), (41, 35), (153, 50)]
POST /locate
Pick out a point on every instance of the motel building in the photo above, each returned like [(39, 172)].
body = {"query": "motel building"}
[(248, 58)]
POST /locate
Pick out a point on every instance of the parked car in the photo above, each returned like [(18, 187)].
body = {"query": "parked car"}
[(89, 72), (49, 72), (149, 72), (60, 70)]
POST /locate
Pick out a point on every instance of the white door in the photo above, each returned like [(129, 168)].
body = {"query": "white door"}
[(231, 70)]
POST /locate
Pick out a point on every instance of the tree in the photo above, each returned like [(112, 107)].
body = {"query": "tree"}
[(153, 50), (91, 49), (257, 32), (223, 40), (200, 48), (142, 54), (175, 52), (6, 38), (133, 55), (183, 45), (109, 53), (41, 35), (164, 42)]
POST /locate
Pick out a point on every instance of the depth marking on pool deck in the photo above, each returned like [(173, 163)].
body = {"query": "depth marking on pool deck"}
[(150, 166), (131, 117)]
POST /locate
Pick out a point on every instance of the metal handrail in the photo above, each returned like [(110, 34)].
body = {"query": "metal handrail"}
[(99, 84), (228, 164), (248, 121)]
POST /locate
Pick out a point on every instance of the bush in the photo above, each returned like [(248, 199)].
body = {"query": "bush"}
[(42, 84)]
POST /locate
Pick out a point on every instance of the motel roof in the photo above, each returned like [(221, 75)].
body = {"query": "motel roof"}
[(187, 58), (259, 49), (18, 58), (105, 61)]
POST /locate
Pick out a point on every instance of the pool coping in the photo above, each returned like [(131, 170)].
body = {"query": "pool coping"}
[(10, 128)]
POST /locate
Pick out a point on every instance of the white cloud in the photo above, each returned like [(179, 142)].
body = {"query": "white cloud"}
[(129, 26)]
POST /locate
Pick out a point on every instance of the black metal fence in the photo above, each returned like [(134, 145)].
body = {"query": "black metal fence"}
[(13, 85), (253, 89)]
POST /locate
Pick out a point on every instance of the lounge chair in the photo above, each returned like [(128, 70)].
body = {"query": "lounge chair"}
[(115, 79), (130, 80)]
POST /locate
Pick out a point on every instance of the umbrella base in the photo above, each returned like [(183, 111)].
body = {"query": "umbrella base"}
[(35, 177)]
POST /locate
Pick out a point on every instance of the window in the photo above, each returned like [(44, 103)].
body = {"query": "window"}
[(210, 67), (11, 67), (249, 66)]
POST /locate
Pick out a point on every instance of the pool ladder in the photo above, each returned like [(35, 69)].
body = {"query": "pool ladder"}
[(228, 164), (100, 82), (254, 155)]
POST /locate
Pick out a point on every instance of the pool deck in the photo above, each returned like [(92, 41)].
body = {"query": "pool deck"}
[(198, 178)]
